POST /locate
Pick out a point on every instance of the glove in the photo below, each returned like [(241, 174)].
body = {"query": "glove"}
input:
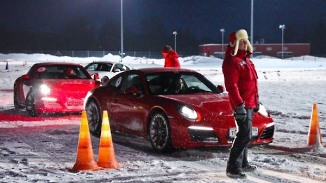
[(257, 108), (240, 113)]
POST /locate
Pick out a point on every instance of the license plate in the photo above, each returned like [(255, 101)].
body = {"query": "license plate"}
[(233, 132), (74, 102)]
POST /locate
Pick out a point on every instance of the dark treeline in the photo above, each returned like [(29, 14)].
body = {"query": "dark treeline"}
[(79, 34)]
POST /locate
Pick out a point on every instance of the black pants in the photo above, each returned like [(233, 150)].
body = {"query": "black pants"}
[(239, 150)]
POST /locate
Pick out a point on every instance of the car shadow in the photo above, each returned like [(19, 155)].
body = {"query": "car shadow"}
[(143, 145), (14, 114)]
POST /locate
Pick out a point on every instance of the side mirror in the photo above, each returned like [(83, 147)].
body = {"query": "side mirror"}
[(221, 88), (25, 76)]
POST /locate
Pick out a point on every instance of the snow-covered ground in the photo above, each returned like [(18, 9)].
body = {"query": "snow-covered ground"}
[(43, 149)]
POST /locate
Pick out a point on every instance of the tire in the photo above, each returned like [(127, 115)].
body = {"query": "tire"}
[(160, 133), (16, 103), (30, 104), (94, 118), (105, 79)]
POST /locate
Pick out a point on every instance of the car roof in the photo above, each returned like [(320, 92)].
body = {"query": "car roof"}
[(56, 63), (163, 69), (104, 62)]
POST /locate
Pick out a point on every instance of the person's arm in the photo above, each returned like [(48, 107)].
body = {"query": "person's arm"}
[(231, 78)]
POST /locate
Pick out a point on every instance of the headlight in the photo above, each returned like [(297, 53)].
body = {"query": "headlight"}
[(188, 112), (262, 110), (45, 90)]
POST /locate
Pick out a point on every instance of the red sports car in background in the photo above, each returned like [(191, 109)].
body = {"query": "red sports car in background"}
[(174, 108), (53, 87)]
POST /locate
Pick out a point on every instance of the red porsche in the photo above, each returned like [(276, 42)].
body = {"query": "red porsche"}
[(53, 87), (173, 108)]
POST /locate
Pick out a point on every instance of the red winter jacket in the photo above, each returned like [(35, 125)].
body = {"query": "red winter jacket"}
[(171, 59), (240, 78)]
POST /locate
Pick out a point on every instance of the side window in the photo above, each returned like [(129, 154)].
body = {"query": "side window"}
[(92, 67), (120, 67), (127, 81), (132, 80), (100, 67), (104, 67), (116, 83)]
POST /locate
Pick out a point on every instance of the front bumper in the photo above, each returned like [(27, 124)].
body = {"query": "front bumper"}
[(200, 136), (51, 104)]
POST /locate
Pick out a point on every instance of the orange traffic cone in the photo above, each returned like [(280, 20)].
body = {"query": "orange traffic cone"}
[(85, 157), (314, 136), (106, 156)]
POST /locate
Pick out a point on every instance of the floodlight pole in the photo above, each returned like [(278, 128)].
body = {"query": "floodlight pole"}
[(175, 40), (222, 31), (282, 27), (121, 32), (252, 23)]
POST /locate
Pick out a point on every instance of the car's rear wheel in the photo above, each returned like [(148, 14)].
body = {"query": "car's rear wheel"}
[(30, 104), (94, 117), (16, 103), (160, 133)]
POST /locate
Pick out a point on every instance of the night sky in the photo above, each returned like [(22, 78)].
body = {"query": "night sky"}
[(203, 18)]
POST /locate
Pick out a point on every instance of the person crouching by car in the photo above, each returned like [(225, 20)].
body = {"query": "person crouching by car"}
[(240, 78), (171, 57)]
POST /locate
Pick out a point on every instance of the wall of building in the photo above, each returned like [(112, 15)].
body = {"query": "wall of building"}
[(274, 50)]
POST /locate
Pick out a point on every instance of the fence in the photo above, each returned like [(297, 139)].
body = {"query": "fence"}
[(154, 55)]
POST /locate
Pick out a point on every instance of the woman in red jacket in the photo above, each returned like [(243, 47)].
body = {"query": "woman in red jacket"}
[(171, 57), (240, 78)]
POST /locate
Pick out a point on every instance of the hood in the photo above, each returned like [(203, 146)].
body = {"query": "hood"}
[(209, 102)]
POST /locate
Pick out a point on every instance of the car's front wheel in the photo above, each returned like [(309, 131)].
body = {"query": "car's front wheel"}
[(105, 79), (30, 104), (94, 117), (160, 133)]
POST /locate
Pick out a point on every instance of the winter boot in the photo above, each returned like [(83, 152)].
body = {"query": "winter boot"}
[(249, 168), (234, 173)]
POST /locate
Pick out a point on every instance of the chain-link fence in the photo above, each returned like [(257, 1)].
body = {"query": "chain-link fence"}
[(155, 55)]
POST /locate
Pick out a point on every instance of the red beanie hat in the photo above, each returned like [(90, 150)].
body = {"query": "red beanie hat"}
[(232, 37)]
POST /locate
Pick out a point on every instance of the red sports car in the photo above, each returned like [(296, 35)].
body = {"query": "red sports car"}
[(53, 87), (174, 108)]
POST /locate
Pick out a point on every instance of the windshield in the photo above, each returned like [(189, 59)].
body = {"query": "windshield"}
[(59, 72), (167, 83)]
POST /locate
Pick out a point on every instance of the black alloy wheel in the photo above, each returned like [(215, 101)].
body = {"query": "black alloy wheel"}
[(94, 118), (30, 104), (160, 133), (105, 79), (16, 103)]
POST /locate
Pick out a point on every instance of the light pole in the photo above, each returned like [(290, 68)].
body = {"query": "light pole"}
[(282, 27), (222, 31), (252, 23), (121, 32), (175, 40)]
